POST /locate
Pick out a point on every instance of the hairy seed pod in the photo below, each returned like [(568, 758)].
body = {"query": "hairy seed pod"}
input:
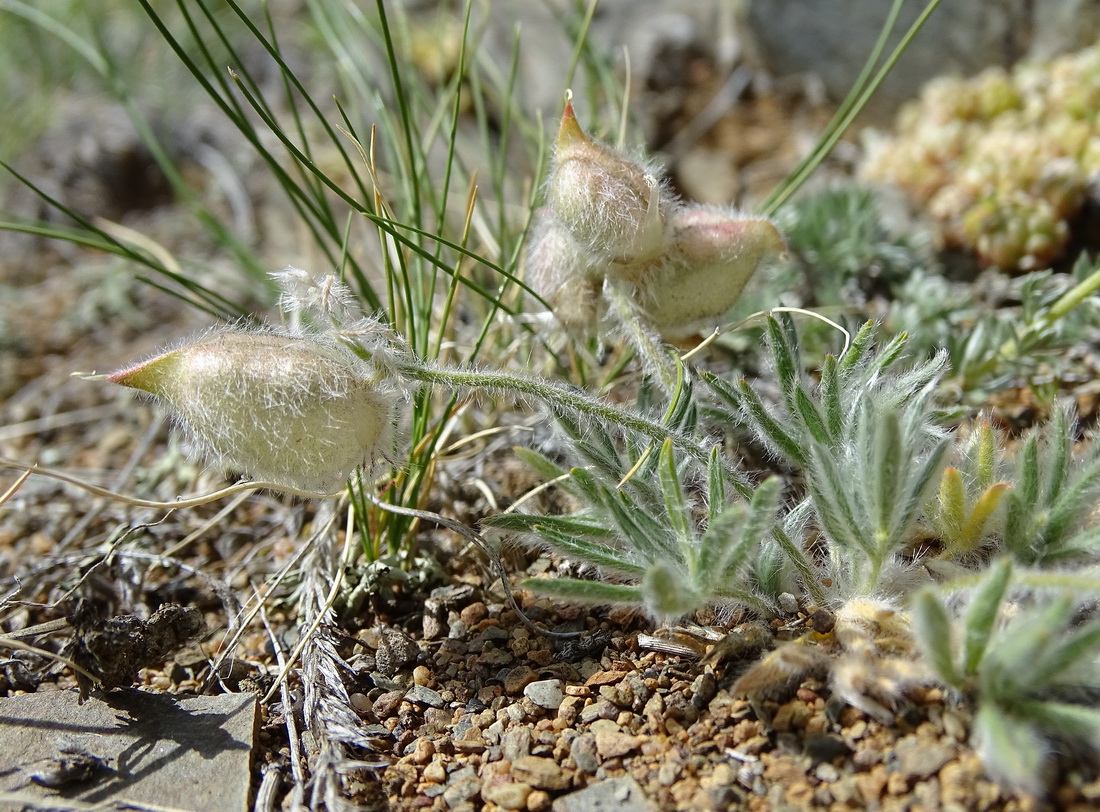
[(712, 254), (298, 411), (611, 204)]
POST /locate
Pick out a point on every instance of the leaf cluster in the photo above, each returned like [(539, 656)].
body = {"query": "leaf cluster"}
[(1029, 662), (865, 438), (1019, 336), (641, 525)]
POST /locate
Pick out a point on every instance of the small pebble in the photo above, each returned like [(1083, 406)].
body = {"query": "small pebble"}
[(435, 772), (461, 787), (387, 704), (612, 745), (507, 796), (545, 693), (395, 651), (954, 726), (703, 690), (474, 613), (423, 752), (600, 710), (424, 696), (826, 772), (421, 675), (518, 678), (360, 703), (516, 743), (668, 773), (542, 773), (788, 603), (583, 751), (538, 801), (920, 759)]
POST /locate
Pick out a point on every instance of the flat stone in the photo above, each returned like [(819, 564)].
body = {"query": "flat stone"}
[(546, 693), (601, 710), (920, 759), (462, 786), (539, 772), (424, 696), (507, 796), (605, 678), (495, 658), (612, 745), (516, 743), (518, 678), (387, 704), (157, 750), (395, 651), (618, 794), (583, 751), (490, 634)]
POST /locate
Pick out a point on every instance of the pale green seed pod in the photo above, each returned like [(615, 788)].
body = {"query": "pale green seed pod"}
[(298, 411), (712, 254)]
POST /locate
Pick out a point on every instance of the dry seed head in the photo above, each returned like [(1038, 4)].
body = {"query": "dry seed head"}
[(298, 411), (712, 254), (611, 204), (324, 297)]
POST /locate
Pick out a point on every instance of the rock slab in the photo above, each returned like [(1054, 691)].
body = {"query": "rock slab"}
[(148, 749), (618, 794)]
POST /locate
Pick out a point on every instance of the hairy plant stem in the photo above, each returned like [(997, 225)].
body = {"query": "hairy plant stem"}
[(558, 397), (801, 563), (653, 352)]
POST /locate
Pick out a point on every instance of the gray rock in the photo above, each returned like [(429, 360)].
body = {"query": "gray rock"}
[(1059, 26), (601, 710), (516, 743), (583, 751), (395, 651), (802, 36), (919, 759), (436, 607), (422, 695), (464, 724), (461, 787), (158, 750), (538, 772), (788, 603), (833, 41), (546, 693), (507, 796), (619, 794), (703, 690)]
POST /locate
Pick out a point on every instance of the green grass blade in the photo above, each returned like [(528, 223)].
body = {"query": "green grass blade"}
[(571, 589)]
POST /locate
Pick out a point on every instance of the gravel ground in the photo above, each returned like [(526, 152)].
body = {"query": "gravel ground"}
[(460, 705)]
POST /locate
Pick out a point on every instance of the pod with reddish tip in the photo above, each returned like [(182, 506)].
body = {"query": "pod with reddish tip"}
[(711, 255), (611, 204), (301, 412)]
